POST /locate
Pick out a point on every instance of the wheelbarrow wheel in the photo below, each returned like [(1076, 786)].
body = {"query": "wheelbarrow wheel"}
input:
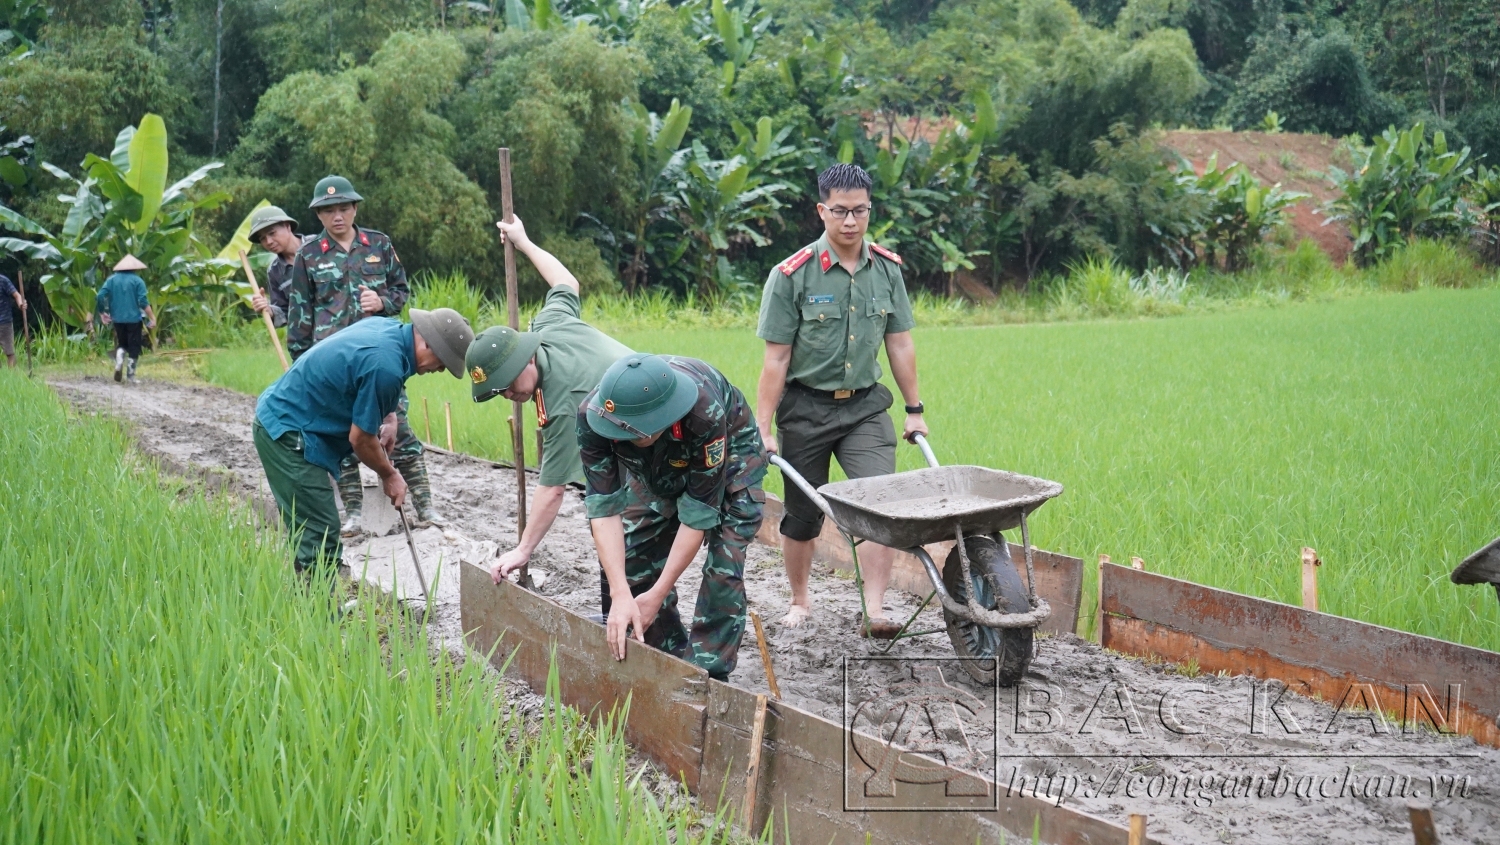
[(996, 586)]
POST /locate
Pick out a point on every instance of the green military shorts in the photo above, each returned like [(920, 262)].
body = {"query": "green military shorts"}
[(813, 426)]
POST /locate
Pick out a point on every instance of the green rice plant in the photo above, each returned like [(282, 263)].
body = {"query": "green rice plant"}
[(169, 680), (1099, 285), (1427, 263), (452, 290)]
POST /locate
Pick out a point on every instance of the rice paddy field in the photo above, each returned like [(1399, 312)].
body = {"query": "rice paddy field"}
[(1215, 446), (169, 680)]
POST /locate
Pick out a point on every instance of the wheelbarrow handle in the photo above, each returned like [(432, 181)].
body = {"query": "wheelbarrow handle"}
[(921, 442), (803, 485)]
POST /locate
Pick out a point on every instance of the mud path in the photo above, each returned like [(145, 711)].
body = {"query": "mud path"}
[(1209, 758)]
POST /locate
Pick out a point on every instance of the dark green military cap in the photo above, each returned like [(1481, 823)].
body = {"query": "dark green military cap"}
[(332, 190), (267, 216), (639, 396), (447, 333), (496, 357)]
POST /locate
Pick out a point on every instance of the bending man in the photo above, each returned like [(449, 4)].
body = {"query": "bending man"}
[(555, 365)]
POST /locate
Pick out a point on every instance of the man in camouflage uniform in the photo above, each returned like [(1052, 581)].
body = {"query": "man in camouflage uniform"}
[(340, 277), (672, 456), (276, 232)]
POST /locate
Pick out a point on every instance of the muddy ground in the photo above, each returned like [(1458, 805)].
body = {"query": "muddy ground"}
[(1209, 758)]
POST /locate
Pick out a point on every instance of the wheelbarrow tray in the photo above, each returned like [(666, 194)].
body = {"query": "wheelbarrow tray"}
[(928, 505)]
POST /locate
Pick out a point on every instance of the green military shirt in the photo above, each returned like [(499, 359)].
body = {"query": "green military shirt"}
[(571, 361), (323, 296), (835, 322)]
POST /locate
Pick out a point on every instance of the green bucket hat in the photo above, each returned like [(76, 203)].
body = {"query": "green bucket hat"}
[(332, 190), (267, 216), (639, 396), (496, 357), (447, 333)]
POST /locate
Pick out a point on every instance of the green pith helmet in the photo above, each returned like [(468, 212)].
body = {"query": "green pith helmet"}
[(332, 190), (496, 357), (639, 396), (447, 333), (267, 216)]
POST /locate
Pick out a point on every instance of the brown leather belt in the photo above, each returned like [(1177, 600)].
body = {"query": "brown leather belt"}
[(839, 395)]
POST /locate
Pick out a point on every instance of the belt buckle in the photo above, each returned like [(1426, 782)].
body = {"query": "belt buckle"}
[(842, 394)]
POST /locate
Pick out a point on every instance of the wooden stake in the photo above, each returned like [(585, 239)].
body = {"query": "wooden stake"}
[(752, 772), (1138, 564), (426, 420), (1422, 830), (448, 420), (25, 317), (1099, 600), (1137, 829), (538, 447), (513, 317), (1310, 564), (765, 655), (266, 315)]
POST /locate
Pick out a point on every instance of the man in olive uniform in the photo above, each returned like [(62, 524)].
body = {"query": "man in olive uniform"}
[(340, 277), (672, 455), (555, 364), (276, 232), (824, 313)]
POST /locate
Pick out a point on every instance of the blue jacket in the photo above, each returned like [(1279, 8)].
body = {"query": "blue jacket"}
[(123, 297)]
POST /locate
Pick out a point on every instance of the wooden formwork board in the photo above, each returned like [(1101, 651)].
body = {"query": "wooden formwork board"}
[(1313, 653), (700, 730), (1059, 578)]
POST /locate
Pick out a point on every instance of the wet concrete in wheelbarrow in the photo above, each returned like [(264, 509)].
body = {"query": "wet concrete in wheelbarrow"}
[(1110, 735)]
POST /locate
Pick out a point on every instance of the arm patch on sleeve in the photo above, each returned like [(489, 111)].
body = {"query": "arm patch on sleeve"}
[(713, 453)]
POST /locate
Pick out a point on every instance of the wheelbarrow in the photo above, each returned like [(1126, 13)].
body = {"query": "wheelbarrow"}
[(989, 614)]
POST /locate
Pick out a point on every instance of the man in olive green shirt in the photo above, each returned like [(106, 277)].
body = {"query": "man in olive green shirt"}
[(824, 313), (556, 364)]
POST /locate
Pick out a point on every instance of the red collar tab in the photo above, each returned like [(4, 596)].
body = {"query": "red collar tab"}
[(324, 244), (880, 250), (365, 239), (789, 266), (677, 430), (826, 260)]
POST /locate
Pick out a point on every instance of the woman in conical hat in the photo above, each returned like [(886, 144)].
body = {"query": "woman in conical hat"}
[(129, 264), (122, 303)]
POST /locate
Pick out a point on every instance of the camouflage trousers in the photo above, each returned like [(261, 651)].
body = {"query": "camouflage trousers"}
[(408, 460), (713, 640)]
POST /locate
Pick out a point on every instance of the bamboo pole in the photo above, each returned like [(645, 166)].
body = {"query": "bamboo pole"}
[(513, 318), (1422, 830), (426, 420), (1137, 829), (1310, 564), (752, 772), (448, 421), (265, 315), (25, 317), (765, 655), (1099, 600)]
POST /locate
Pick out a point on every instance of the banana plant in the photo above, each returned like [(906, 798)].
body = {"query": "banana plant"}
[(1484, 195), (657, 143), (1240, 211), (122, 205), (718, 202)]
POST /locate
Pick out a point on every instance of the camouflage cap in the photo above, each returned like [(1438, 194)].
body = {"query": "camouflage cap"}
[(639, 396), (332, 190), (447, 333), (267, 216), (496, 357)]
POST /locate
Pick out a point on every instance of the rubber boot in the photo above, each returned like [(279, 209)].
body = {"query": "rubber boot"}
[(413, 468), (130, 372), (352, 491), (119, 363)]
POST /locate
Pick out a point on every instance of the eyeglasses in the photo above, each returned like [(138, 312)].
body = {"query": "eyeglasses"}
[(839, 212)]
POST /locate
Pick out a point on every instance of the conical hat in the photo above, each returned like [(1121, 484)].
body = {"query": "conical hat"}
[(129, 262)]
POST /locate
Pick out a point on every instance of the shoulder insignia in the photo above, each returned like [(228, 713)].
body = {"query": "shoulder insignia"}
[(363, 238), (798, 258), (826, 260), (885, 252), (324, 244)]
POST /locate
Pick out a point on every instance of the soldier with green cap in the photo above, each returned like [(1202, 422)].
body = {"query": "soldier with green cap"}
[(555, 364), (674, 461), (340, 399), (343, 275), (276, 232)]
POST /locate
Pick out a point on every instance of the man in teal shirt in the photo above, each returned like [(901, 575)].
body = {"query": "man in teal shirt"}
[(121, 303), (339, 398)]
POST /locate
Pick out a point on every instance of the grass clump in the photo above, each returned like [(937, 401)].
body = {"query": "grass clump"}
[(169, 680)]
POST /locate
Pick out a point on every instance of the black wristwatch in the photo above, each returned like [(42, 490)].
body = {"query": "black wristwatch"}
[(915, 409)]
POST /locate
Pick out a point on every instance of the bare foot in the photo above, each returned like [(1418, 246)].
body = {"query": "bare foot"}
[(796, 616)]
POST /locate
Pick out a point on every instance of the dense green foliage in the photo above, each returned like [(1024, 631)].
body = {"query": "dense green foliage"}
[(169, 679), (1005, 134)]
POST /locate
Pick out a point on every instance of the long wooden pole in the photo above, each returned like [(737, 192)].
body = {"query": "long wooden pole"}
[(513, 317), (265, 315), (25, 317), (752, 771)]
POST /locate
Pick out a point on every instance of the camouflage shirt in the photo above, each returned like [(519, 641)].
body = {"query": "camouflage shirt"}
[(279, 284), (713, 451), (325, 281)]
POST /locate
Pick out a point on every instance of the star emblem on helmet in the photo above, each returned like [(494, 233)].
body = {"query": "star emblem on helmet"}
[(609, 405), (331, 189), (478, 375)]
